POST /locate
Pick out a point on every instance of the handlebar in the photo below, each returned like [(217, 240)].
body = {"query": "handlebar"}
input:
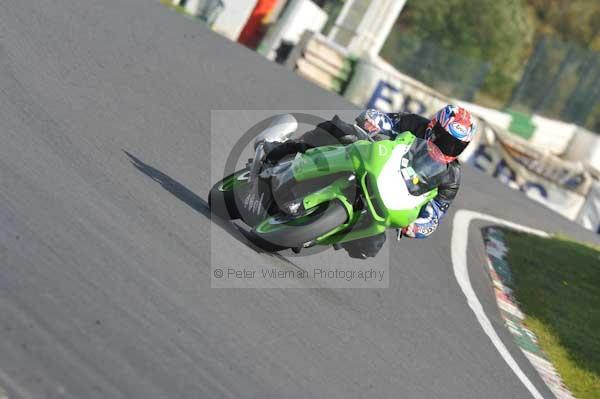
[(362, 133)]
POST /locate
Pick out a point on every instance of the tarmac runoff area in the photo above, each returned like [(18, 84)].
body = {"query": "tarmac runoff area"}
[(106, 261)]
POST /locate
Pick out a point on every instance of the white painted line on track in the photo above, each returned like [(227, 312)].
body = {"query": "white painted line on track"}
[(460, 236)]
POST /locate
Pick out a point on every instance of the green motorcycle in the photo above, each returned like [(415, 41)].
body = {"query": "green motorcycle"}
[(329, 195)]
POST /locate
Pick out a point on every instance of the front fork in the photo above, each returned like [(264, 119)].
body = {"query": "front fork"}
[(347, 231), (327, 161)]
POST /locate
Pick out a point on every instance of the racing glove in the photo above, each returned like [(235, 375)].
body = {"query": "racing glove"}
[(428, 221), (374, 122)]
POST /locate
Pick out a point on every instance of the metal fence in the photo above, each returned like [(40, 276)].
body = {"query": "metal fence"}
[(561, 81), (449, 73)]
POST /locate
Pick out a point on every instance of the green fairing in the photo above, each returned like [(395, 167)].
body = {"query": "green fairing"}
[(366, 160), (392, 179)]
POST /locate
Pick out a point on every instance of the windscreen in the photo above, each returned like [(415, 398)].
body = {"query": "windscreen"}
[(422, 167)]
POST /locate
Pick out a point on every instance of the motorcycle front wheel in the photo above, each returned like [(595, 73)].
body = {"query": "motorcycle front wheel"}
[(293, 232)]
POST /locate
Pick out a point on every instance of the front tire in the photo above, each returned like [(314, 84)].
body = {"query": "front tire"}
[(284, 231)]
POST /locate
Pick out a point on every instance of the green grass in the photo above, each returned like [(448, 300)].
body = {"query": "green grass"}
[(557, 284)]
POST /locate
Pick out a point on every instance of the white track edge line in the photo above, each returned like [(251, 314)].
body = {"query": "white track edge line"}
[(460, 236)]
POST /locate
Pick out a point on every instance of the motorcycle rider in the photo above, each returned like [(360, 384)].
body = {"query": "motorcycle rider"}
[(450, 129)]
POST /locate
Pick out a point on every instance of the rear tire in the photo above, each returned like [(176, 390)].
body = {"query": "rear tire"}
[(283, 231)]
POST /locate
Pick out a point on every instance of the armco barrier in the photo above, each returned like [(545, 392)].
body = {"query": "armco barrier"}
[(320, 61)]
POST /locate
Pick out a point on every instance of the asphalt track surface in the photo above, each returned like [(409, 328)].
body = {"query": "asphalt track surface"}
[(105, 237)]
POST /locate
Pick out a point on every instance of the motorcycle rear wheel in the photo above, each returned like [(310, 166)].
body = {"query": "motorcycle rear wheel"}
[(221, 198)]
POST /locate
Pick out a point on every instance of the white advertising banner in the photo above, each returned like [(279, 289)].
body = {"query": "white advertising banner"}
[(559, 185)]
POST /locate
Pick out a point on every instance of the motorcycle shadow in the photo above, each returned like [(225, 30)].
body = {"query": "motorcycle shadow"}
[(200, 205)]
